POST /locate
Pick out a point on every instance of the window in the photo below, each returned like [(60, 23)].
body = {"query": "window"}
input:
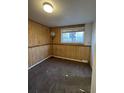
[(72, 35)]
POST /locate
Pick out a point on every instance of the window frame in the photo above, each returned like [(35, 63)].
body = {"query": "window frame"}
[(81, 30)]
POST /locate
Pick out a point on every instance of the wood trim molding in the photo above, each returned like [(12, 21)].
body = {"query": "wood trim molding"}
[(36, 22), (72, 44), (66, 44), (67, 26), (39, 45)]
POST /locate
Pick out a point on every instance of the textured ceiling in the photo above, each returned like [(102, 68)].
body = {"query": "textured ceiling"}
[(66, 12)]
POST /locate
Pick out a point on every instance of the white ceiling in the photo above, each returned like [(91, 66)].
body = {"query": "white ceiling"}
[(66, 12)]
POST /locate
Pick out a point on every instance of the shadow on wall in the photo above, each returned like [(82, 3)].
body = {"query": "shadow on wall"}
[(93, 59)]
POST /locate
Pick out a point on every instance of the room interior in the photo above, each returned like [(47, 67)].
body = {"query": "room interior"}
[(61, 46)]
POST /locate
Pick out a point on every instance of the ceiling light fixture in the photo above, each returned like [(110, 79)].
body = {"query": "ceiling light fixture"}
[(47, 7)]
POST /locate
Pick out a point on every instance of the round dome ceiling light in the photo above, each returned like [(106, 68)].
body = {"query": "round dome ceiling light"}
[(47, 7)]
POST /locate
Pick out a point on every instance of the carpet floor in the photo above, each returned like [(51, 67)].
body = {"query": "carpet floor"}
[(56, 75)]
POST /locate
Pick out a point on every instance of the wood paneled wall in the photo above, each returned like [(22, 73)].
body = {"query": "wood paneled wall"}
[(38, 42), (57, 38), (73, 51), (36, 54), (39, 45), (38, 34)]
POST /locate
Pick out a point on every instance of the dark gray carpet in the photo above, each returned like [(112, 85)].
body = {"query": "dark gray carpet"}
[(56, 75)]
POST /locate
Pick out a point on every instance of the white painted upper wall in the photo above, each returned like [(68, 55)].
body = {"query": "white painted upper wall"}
[(93, 58), (88, 34)]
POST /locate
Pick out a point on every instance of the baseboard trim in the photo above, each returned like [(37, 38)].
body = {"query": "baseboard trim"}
[(82, 61), (39, 62)]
